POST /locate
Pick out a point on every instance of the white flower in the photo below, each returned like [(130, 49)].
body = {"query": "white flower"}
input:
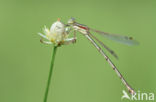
[(56, 35)]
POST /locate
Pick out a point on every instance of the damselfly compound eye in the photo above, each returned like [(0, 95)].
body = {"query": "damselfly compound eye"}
[(71, 20)]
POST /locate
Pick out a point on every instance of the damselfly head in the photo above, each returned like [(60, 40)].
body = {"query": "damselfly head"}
[(71, 20)]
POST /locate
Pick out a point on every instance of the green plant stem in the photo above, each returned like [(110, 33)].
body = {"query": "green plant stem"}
[(50, 73)]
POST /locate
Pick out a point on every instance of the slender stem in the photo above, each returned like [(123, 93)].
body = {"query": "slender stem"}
[(50, 73)]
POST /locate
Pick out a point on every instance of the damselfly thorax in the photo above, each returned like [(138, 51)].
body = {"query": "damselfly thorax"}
[(58, 29), (81, 28), (86, 31)]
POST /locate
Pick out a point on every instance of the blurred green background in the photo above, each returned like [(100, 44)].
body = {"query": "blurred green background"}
[(80, 73)]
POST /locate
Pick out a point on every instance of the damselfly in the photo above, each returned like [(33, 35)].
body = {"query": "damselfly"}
[(85, 30)]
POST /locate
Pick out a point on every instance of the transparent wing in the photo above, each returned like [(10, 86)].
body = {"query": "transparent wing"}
[(103, 45), (119, 38)]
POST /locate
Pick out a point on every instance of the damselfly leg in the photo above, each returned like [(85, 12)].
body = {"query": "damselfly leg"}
[(85, 30)]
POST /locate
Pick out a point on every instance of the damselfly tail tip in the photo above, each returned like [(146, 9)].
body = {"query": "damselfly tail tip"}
[(131, 91)]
